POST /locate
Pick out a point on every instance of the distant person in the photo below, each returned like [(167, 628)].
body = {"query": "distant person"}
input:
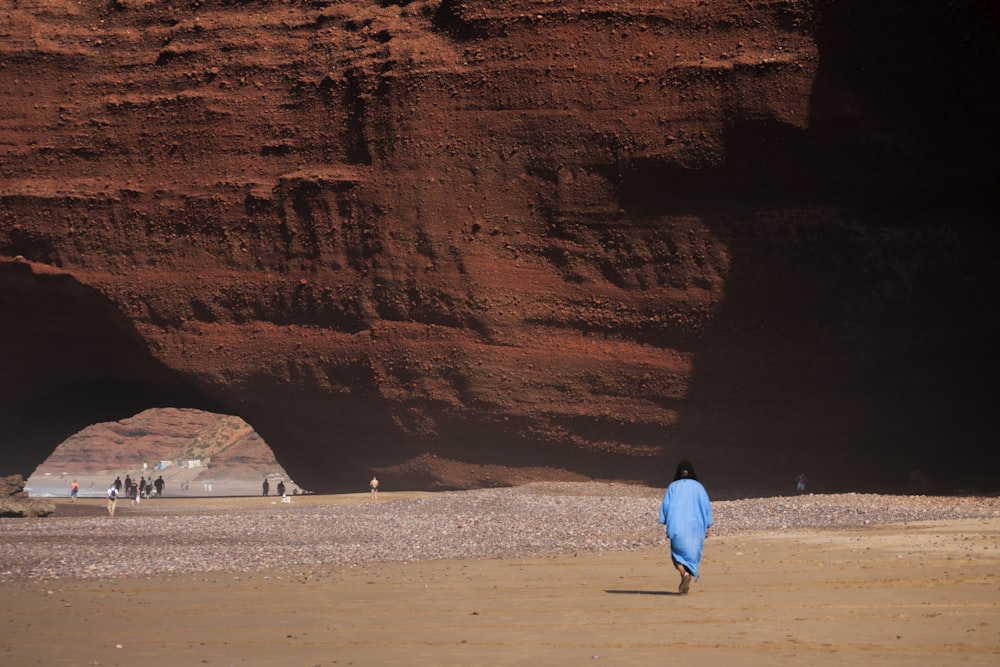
[(687, 514), (159, 485), (800, 482), (281, 487), (128, 485), (267, 487), (112, 498), (118, 484), (74, 490), (373, 485), (149, 487)]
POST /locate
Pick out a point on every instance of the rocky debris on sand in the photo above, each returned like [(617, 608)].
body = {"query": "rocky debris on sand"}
[(535, 519)]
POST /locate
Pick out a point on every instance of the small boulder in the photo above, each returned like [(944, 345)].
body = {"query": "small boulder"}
[(15, 501)]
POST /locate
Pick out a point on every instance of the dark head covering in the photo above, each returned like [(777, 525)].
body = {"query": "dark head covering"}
[(685, 471)]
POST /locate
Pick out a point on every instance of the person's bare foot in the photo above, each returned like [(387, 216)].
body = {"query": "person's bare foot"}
[(685, 583)]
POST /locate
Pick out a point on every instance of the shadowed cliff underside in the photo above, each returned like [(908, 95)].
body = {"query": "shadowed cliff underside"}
[(474, 243)]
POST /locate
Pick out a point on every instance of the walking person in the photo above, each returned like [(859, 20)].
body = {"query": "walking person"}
[(74, 490), (800, 482), (373, 485), (112, 497), (687, 515)]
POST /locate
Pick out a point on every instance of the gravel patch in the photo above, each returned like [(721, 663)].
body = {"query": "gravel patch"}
[(543, 518)]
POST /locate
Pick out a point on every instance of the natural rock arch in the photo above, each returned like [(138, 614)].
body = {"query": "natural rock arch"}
[(71, 359), (467, 243)]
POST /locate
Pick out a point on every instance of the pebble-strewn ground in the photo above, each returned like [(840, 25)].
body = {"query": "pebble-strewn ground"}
[(533, 519)]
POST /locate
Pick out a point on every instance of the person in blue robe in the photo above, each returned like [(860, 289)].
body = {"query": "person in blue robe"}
[(687, 514)]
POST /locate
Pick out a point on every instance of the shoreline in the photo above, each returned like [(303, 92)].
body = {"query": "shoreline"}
[(95, 485)]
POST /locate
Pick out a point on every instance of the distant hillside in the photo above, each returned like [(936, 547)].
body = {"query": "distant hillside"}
[(231, 445)]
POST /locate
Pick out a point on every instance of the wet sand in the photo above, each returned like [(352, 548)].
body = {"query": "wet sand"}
[(923, 593)]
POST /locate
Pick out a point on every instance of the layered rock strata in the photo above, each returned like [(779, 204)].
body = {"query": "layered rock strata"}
[(475, 243)]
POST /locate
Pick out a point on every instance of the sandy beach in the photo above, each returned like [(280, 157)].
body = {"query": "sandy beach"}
[(808, 580)]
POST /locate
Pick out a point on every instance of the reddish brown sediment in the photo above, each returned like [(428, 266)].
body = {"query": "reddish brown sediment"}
[(467, 244)]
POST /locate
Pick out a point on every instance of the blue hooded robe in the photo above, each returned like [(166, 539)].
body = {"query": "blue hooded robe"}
[(687, 514)]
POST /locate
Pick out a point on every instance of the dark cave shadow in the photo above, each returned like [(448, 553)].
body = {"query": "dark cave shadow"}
[(851, 327), (625, 592), (71, 358)]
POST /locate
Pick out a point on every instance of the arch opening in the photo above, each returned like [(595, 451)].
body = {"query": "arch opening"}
[(179, 452), (71, 361)]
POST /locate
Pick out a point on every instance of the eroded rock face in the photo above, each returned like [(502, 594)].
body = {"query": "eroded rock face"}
[(467, 243), (16, 502), (226, 444)]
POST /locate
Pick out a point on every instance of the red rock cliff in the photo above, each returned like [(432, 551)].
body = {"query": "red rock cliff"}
[(466, 243)]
